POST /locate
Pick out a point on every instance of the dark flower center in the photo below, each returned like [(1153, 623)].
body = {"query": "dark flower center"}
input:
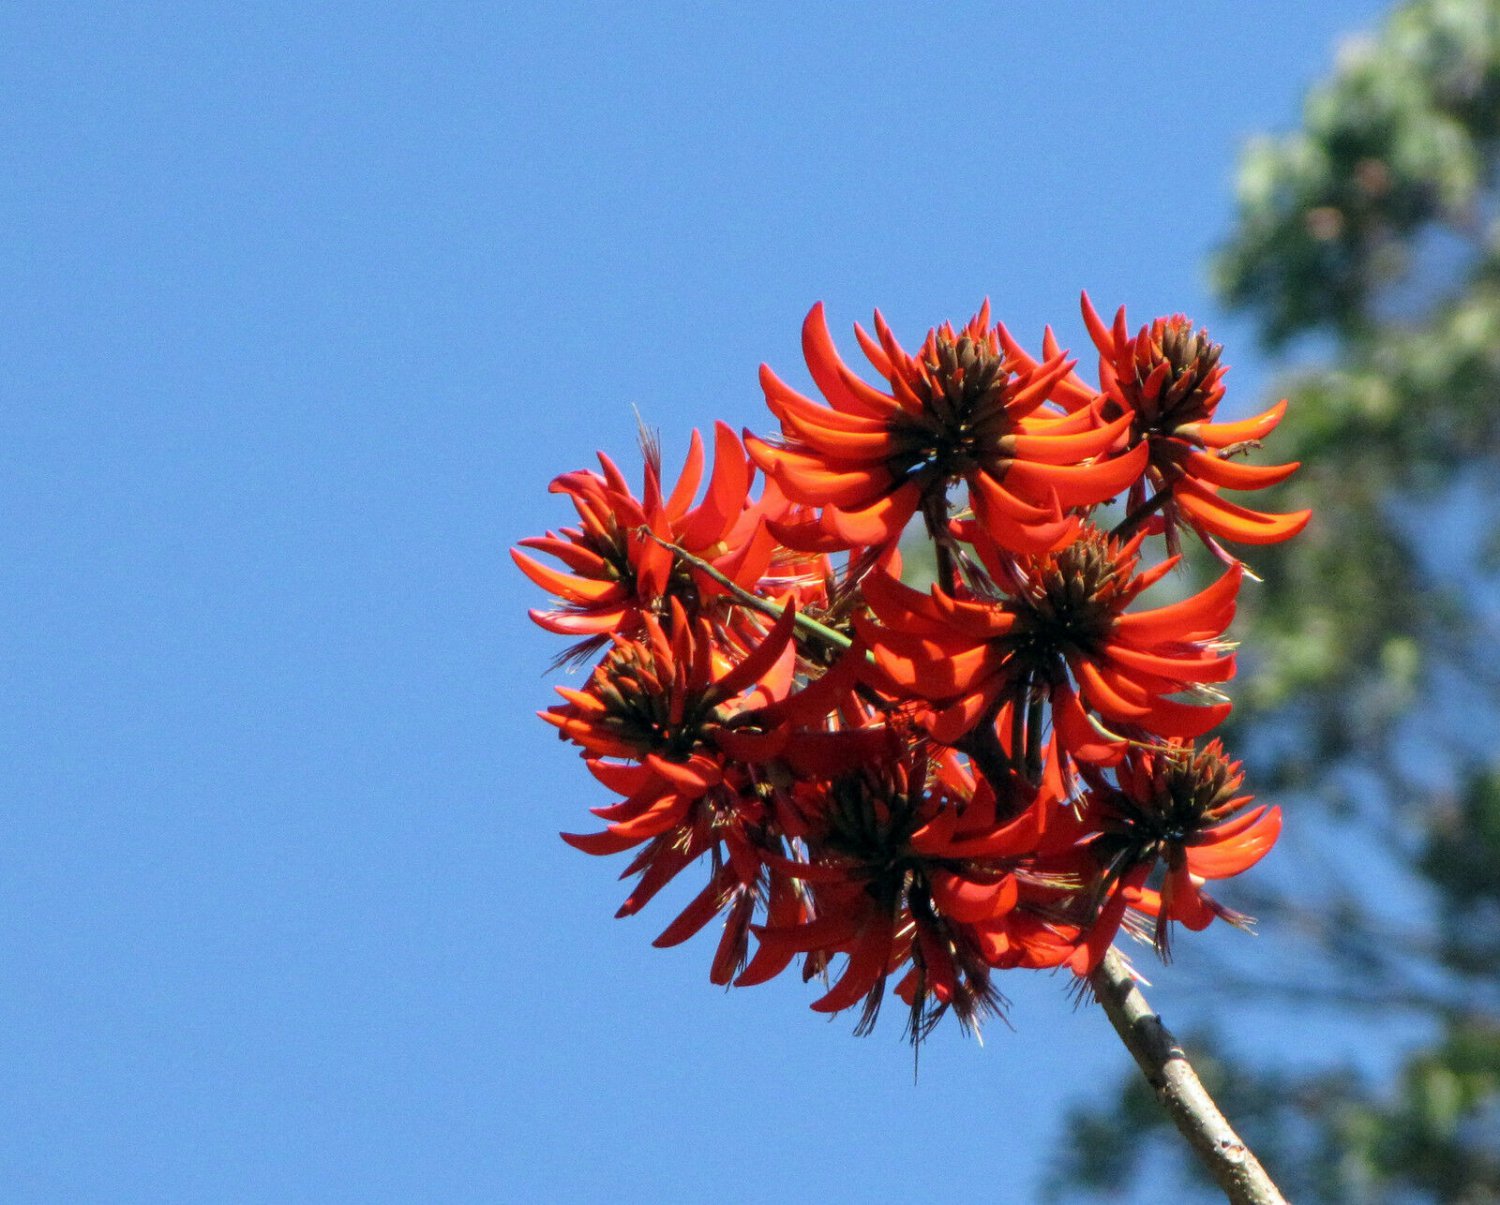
[(870, 820), (1068, 605), (638, 698), (1188, 795), (1191, 390), (609, 544), (607, 540), (870, 817), (963, 387)]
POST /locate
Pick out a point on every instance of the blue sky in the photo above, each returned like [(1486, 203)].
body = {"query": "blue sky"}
[(304, 306)]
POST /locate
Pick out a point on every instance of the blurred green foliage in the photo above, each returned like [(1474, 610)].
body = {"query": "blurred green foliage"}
[(1368, 242), (1400, 140)]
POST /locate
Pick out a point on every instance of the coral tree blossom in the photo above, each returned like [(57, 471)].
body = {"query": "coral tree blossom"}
[(1168, 380), (1056, 630), (891, 887), (906, 790), (650, 722), (1181, 808), (615, 573), (960, 409)]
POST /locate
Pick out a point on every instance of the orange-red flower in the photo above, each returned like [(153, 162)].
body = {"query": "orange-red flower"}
[(1055, 629), (660, 704), (1168, 380), (1180, 807), (615, 573), (898, 874), (959, 410)]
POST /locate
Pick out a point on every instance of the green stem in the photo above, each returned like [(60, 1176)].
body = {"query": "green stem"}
[(805, 624), (935, 516)]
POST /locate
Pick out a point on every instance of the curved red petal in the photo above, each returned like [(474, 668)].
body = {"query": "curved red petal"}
[(1221, 435), (838, 384), (1235, 474)]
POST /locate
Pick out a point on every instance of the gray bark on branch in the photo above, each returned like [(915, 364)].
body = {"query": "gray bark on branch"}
[(1232, 1164)]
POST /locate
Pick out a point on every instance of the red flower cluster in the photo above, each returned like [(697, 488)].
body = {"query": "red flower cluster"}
[(919, 788)]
